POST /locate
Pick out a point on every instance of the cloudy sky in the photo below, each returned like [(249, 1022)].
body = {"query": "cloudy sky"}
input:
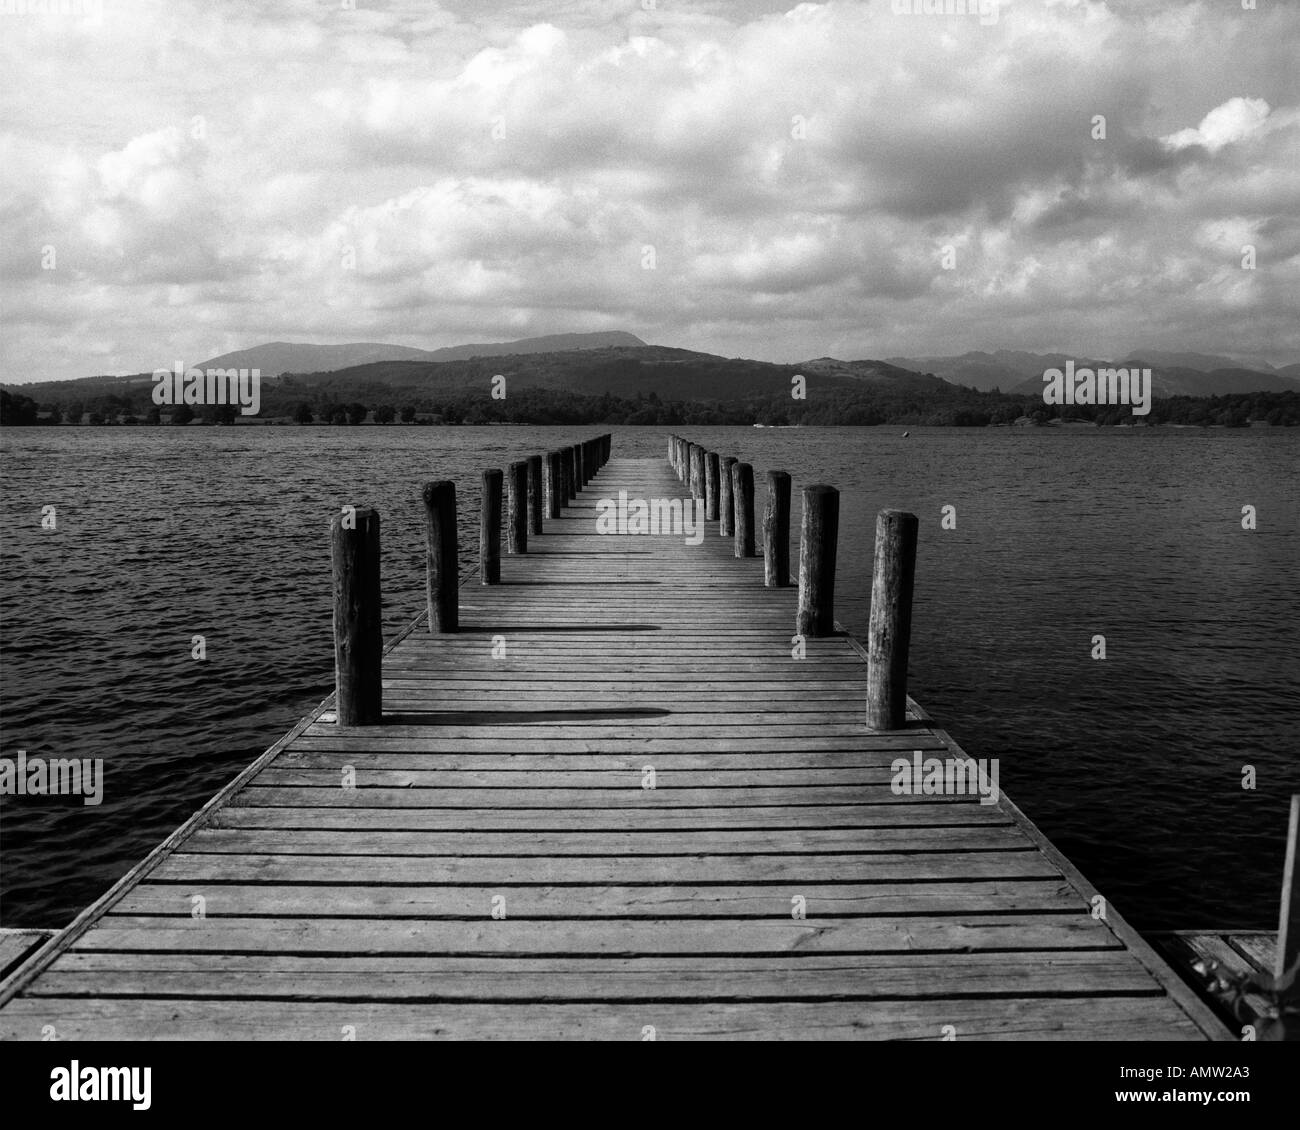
[(745, 177)]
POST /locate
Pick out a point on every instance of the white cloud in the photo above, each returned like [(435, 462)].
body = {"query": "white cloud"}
[(1236, 120)]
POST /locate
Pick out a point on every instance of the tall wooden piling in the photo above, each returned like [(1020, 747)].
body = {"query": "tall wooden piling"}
[(517, 507), (570, 474), (554, 484), (890, 627), (536, 494), (726, 500), (711, 469), (776, 531), (697, 470), (489, 530), (358, 618), (442, 547), (742, 498), (818, 538)]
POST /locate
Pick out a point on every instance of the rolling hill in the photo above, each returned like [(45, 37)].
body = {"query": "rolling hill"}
[(278, 357), (1172, 374)]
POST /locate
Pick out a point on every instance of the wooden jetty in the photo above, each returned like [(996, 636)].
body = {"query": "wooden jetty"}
[(602, 791), (1222, 966), (1251, 977)]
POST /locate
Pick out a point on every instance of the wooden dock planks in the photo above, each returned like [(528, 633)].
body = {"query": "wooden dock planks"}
[(770, 885)]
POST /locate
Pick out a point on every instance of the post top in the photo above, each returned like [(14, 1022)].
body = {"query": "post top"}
[(437, 487), (359, 517), (903, 516)]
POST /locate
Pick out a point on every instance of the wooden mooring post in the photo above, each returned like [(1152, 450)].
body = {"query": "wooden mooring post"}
[(818, 542), (517, 508), (554, 484), (489, 530), (697, 470), (536, 494), (726, 500), (358, 618), (890, 626), (570, 474), (442, 554), (579, 472), (711, 485), (776, 530), (742, 499)]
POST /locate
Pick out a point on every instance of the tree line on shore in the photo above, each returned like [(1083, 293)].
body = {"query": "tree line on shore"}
[(951, 406)]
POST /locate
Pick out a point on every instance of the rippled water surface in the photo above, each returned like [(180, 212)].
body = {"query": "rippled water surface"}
[(1132, 765)]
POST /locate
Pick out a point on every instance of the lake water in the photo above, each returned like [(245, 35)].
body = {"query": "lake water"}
[(1132, 765)]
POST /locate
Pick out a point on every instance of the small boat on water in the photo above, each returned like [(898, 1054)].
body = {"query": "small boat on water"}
[(906, 434)]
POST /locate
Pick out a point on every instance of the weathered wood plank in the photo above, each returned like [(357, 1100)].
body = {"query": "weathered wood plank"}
[(1058, 1018), (612, 819), (912, 867), (632, 796), (596, 761), (16, 945), (628, 777), (1046, 896), (578, 842), (807, 976), (607, 936)]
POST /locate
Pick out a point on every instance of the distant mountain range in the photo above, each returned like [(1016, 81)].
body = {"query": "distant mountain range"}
[(1172, 374), (672, 374), (621, 364), (278, 357)]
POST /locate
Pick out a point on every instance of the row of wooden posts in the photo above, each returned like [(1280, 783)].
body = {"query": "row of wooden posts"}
[(725, 486), (535, 489)]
